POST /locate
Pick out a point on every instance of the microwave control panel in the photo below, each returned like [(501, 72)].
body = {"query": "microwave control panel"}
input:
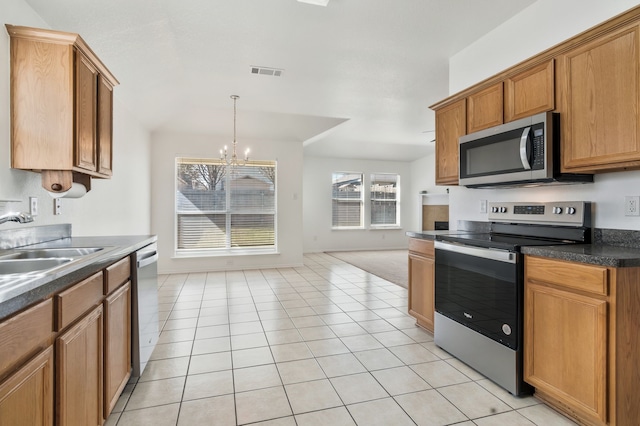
[(538, 147)]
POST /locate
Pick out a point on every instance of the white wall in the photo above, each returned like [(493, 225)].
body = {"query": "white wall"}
[(318, 235), (166, 146), (554, 22), (423, 178), (541, 26), (115, 206)]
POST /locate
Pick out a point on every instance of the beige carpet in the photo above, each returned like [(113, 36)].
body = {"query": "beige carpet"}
[(392, 265)]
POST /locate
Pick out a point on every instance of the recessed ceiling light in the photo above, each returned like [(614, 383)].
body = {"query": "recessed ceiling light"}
[(316, 2)]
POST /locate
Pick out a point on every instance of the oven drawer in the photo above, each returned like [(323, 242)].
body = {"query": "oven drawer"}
[(578, 276)]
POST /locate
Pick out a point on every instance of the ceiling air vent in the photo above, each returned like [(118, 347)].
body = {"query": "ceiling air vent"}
[(275, 72)]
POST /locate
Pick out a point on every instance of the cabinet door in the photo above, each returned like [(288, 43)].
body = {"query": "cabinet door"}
[(85, 104), (421, 289), (565, 341), (26, 397), (484, 108), (450, 125), (117, 345), (105, 126), (599, 100), (79, 372), (529, 92)]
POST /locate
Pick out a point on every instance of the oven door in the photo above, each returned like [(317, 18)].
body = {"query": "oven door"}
[(481, 289)]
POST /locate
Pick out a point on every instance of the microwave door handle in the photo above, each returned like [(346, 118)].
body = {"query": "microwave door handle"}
[(524, 155)]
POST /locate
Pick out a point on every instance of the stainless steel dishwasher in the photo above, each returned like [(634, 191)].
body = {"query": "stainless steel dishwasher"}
[(144, 318)]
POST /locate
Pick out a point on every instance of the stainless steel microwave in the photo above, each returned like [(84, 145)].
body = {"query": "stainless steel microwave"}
[(519, 153)]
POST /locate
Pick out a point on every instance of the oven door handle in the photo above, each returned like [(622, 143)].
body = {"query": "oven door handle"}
[(485, 253)]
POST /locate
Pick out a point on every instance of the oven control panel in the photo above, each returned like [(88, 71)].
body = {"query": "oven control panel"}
[(557, 212)]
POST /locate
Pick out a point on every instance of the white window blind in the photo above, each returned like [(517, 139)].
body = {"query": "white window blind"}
[(384, 199), (347, 200), (222, 208)]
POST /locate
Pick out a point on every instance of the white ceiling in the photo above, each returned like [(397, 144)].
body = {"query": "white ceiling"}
[(358, 77)]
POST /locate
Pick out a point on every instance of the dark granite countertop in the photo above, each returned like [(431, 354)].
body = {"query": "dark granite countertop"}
[(595, 254), (20, 291), (430, 235), (464, 227)]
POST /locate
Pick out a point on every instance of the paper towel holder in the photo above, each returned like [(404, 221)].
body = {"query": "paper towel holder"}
[(58, 181)]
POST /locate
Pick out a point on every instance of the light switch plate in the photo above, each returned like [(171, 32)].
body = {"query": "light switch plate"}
[(33, 206), (57, 206)]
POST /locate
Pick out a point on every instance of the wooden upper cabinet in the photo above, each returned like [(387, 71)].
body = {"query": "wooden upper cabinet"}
[(105, 127), (529, 92), (86, 94), (450, 125), (599, 102), (484, 108), (61, 104)]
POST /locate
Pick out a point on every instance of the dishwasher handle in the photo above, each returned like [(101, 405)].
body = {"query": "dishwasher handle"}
[(147, 256), (147, 261)]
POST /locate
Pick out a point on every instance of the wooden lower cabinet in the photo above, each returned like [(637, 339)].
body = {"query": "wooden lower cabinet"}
[(581, 340), (421, 282), (567, 335), (67, 359), (26, 397), (79, 372), (117, 345)]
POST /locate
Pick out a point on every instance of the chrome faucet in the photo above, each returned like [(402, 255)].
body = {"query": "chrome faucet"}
[(19, 217)]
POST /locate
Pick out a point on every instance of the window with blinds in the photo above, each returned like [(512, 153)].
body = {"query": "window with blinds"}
[(222, 208), (347, 200), (384, 199)]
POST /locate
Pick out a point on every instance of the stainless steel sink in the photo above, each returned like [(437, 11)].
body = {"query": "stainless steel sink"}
[(48, 253), (26, 266)]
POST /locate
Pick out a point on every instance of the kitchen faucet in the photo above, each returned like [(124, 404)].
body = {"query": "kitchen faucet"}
[(19, 217)]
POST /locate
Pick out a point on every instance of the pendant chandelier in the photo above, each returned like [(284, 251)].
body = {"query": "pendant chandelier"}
[(234, 161)]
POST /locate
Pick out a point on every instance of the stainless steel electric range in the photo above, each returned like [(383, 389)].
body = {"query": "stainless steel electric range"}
[(479, 284)]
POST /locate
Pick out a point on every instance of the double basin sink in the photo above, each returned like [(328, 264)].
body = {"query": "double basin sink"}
[(40, 260)]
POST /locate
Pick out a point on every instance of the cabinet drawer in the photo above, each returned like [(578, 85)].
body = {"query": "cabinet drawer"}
[(24, 334), (78, 299), (424, 247), (579, 276), (117, 274)]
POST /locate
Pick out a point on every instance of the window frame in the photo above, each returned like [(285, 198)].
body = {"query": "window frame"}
[(396, 201), (229, 211), (360, 201)]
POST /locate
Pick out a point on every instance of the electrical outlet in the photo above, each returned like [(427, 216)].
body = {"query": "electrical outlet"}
[(483, 206), (57, 206), (632, 206), (33, 206)]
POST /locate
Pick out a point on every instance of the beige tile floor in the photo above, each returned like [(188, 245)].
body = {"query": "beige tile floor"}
[(324, 344)]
